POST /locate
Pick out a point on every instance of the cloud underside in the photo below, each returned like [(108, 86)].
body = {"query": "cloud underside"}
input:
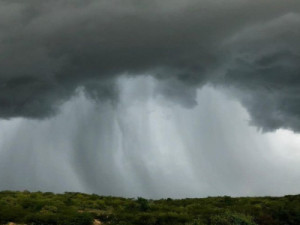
[(250, 48)]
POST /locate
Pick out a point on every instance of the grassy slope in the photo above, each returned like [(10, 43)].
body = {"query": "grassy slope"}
[(82, 209)]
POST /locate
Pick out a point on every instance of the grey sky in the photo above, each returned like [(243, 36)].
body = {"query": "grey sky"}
[(73, 86), (147, 145)]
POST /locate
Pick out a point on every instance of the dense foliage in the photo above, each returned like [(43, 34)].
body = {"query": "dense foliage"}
[(82, 209)]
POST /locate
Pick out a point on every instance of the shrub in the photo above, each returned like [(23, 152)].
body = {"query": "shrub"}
[(232, 219)]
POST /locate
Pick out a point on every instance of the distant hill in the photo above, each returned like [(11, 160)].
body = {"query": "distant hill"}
[(70, 208)]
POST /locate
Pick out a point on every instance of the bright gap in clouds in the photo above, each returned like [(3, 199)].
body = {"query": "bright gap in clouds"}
[(147, 145)]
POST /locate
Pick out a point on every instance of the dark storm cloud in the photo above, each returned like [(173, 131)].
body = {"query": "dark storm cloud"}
[(50, 48), (264, 67)]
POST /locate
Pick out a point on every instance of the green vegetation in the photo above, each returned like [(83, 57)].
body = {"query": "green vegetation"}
[(82, 209)]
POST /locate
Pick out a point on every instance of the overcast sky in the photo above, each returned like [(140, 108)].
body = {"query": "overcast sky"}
[(157, 99)]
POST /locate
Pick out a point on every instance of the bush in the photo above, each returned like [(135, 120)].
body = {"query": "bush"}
[(143, 204), (232, 219)]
